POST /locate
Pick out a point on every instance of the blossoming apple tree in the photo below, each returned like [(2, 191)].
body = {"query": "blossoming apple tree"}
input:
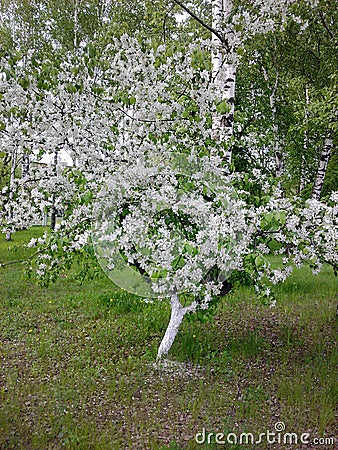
[(147, 189)]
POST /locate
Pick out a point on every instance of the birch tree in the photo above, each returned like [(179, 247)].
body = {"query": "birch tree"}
[(224, 72), (223, 58), (315, 117), (322, 167), (233, 23)]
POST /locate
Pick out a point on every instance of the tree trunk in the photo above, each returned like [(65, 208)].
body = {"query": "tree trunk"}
[(177, 314), (223, 124), (25, 165), (53, 214), (323, 163), (217, 60), (228, 118), (222, 69)]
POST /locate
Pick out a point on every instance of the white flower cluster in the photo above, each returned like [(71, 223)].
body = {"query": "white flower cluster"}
[(137, 132)]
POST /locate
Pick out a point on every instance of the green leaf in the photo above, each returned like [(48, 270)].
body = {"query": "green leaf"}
[(178, 262), (223, 107), (91, 51), (281, 216), (161, 273), (71, 88), (24, 83), (259, 262), (190, 249)]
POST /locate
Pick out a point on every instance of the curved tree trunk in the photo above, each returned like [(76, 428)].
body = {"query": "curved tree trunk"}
[(177, 313)]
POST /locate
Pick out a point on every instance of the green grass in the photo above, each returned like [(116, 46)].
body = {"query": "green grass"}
[(77, 364)]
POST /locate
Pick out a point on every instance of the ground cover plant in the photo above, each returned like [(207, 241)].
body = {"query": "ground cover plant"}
[(77, 364)]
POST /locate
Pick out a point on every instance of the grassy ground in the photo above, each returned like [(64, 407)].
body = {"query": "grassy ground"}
[(77, 365)]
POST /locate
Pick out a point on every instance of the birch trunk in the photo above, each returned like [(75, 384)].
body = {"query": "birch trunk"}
[(323, 163), (177, 313), (228, 119), (11, 193), (223, 124), (25, 165)]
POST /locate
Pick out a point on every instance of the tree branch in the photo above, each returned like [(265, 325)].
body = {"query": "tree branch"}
[(325, 25), (19, 261), (220, 36)]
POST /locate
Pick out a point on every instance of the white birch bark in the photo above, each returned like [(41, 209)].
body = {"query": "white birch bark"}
[(216, 60), (177, 313), (223, 123), (228, 119), (25, 165), (217, 54), (323, 163)]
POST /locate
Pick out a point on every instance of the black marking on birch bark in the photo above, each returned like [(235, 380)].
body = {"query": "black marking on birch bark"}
[(323, 163), (227, 120), (25, 165)]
